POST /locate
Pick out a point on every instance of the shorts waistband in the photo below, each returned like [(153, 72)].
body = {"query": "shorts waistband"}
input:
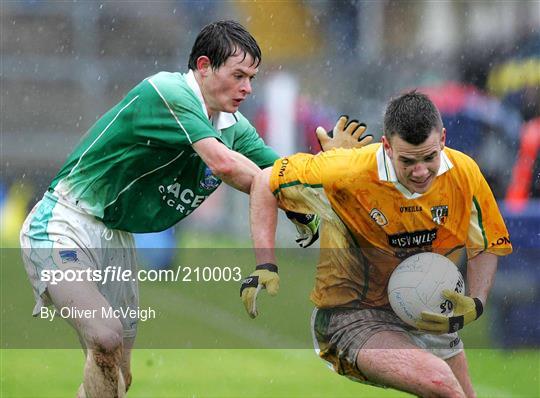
[(51, 194)]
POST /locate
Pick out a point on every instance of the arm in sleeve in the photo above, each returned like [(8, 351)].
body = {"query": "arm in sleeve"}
[(487, 231), (298, 182)]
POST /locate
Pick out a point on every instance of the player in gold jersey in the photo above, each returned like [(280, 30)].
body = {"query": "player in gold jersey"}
[(379, 205)]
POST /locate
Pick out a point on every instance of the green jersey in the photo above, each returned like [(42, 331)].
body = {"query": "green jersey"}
[(136, 170)]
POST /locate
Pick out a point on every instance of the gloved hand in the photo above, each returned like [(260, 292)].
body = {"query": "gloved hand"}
[(307, 226), (345, 134), (466, 310), (266, 277)]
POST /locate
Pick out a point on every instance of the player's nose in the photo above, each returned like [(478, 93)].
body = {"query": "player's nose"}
[(246, 87), (420, 170)]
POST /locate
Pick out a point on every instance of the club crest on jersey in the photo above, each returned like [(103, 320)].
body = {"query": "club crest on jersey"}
[(439, 214), (378, 217), (209, 181)]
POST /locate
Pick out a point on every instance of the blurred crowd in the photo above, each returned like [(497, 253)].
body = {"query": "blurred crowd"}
[(64, 64)]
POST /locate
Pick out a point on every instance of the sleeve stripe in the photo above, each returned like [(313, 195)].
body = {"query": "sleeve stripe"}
[(479, 210), (293, 183), (170, 110)]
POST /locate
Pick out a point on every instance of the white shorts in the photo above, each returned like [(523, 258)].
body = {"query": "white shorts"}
[(58, 235)]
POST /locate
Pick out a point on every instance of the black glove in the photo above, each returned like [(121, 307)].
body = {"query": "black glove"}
[(307, 226)]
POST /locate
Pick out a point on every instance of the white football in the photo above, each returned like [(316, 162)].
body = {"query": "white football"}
[(417, 283)]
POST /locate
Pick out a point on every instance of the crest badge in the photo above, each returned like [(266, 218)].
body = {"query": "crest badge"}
[(378, 217), (439, 214), (209, 181)]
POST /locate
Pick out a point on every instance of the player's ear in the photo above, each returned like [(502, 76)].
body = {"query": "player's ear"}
[(203, 65), (443, 138), (386, 146)]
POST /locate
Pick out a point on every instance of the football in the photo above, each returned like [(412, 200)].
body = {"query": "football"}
[(417, 283)]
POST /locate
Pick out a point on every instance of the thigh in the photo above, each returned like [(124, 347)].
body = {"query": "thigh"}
[(392, 359), (85, 308), (339, 333)]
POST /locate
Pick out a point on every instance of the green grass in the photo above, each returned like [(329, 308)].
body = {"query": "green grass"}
[(245, 373), (227, 359)]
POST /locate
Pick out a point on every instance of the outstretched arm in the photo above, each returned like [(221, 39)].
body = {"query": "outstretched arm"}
[(263, 218)]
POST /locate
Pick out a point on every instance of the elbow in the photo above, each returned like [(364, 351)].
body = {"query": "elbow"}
[(223, 168)]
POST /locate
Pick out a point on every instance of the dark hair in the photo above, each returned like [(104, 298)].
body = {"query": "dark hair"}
[(219, 40), (412, 116)]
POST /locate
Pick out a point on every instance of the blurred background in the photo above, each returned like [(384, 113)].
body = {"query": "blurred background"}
[(63, 64)]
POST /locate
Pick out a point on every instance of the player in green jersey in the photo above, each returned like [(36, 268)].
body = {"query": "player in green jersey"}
[(146, 164)]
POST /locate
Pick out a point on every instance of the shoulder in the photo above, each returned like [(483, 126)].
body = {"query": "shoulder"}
[(170, 87), (465, 172), (359, 159), (350, 163), (462, 163)]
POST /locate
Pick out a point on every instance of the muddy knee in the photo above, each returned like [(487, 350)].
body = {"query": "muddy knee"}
[(105, 340)]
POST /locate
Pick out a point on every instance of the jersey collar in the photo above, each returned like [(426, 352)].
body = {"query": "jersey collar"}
[(221, 120), (388, 173)]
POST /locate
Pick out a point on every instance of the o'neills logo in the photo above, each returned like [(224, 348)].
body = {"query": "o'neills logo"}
[(284, 163), (410, 209), (413, 239)]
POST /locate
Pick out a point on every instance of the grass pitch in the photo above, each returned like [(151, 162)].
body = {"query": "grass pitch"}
[(228, 359), (245, 373)]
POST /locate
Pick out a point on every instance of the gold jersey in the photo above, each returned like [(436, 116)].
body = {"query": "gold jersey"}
[(371, 222)]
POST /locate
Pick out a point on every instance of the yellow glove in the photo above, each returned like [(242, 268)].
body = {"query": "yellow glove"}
[(345, 134), (266, 277), (466, 310)]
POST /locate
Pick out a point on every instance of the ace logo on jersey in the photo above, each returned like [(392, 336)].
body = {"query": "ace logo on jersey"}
[(439, 214)]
